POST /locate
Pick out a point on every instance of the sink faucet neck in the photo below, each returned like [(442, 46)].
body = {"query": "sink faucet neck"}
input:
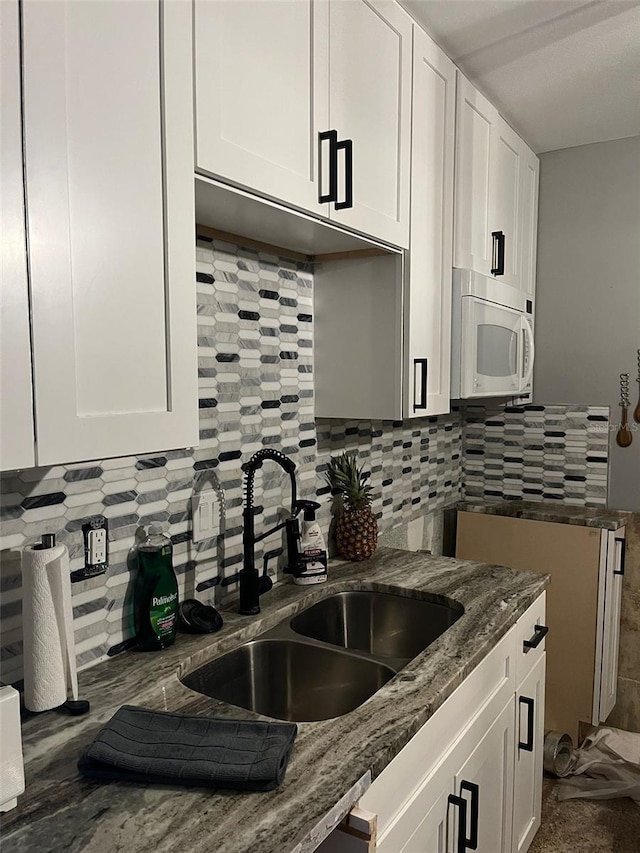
[(252, 585)]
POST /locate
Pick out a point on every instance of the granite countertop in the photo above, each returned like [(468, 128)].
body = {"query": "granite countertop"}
[(333, 761), (585, 516)]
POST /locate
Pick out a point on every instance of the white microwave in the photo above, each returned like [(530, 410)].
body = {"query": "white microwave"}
[(492, 338)]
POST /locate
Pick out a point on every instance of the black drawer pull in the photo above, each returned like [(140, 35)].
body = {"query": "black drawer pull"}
[(497, 253), (330, 136), (623, 552), (539, 633), (471, 843), (461, 803), (527, 745), (345, 145), (420, 364)]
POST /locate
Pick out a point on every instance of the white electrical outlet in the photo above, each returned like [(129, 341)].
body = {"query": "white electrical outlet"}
[(205, 510), (97, 546)]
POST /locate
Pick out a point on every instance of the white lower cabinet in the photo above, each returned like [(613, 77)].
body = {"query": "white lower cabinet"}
[(471, 778), (466, 802), (527, 801), (485, 784)]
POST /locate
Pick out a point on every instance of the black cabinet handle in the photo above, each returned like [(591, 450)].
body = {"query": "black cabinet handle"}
[(497, 253), (539, 633), (527, 745), (461, 804), (471, 843), (330, 136), (623, 553), (346, 145), (420, 365)]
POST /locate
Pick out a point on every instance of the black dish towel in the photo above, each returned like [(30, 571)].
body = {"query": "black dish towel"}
[(138, 745)]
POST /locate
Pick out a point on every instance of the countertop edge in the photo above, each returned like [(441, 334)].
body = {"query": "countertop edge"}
[(583, 516)]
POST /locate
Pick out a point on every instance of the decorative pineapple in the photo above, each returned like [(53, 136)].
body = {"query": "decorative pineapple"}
[(357, 526)]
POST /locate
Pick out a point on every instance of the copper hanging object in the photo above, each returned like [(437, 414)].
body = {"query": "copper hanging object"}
[(636, 414), (624, 437)]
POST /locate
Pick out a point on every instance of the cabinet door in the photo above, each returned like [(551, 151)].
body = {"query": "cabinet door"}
[(426, 824), (504, 196), (261, 83), (436, 827), (529, 737), (428, 294), (485, 781), (472, 228), (528, 209), (16, 411), (616, 544), (110, 218), (370, 104)]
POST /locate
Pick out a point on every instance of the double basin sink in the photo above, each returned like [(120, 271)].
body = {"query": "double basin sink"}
[(329, 659)]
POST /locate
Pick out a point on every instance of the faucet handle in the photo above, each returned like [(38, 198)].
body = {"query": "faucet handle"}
[(265, 583), (277, 552)]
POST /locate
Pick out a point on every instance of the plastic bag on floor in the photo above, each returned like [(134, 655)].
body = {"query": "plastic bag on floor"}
[(606, 766)]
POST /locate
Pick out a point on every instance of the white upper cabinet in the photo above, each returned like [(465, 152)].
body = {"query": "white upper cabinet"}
[(383, 324), (370, 109), (472, 234), (504, 200), (109, 165), (496, 203), (308, 102), (261, 84), (529, 222), (428, 288), (16, 409)]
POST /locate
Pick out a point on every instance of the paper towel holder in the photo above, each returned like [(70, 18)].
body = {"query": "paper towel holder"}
[(75, 707)]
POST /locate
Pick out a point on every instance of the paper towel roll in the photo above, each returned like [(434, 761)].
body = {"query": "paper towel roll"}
[(47, 619)]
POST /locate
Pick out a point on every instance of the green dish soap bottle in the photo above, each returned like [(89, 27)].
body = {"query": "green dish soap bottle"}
[(155, 598)]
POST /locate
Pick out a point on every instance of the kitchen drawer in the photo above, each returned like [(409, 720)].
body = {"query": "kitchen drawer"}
[(489, 686), (528, 630)]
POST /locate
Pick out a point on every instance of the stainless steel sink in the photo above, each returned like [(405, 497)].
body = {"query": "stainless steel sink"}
[(382, 624), (290, 680)]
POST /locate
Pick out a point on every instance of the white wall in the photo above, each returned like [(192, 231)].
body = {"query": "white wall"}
[(588, 289)]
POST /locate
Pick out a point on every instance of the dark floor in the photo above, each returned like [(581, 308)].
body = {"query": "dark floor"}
[(586, 826)]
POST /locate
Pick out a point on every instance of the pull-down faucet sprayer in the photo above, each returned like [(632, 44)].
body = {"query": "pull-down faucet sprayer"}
[(252, 585)]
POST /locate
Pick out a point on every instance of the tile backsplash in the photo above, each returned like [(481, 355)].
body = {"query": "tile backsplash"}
[(255, 369), (536, 452), (255, 375)]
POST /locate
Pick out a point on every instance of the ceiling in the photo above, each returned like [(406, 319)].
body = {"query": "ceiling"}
[(562, 72)]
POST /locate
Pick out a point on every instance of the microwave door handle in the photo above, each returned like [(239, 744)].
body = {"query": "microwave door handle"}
[(528, 330), (515, 349)]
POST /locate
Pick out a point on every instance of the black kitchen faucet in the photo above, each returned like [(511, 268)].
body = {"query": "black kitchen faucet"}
[(252, 584)]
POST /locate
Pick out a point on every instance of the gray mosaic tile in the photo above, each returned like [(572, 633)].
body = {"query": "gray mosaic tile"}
[(536, 452), (255, 375)]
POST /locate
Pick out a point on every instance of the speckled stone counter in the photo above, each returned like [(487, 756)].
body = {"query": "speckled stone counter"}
[(333, 761), (585, 516)]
